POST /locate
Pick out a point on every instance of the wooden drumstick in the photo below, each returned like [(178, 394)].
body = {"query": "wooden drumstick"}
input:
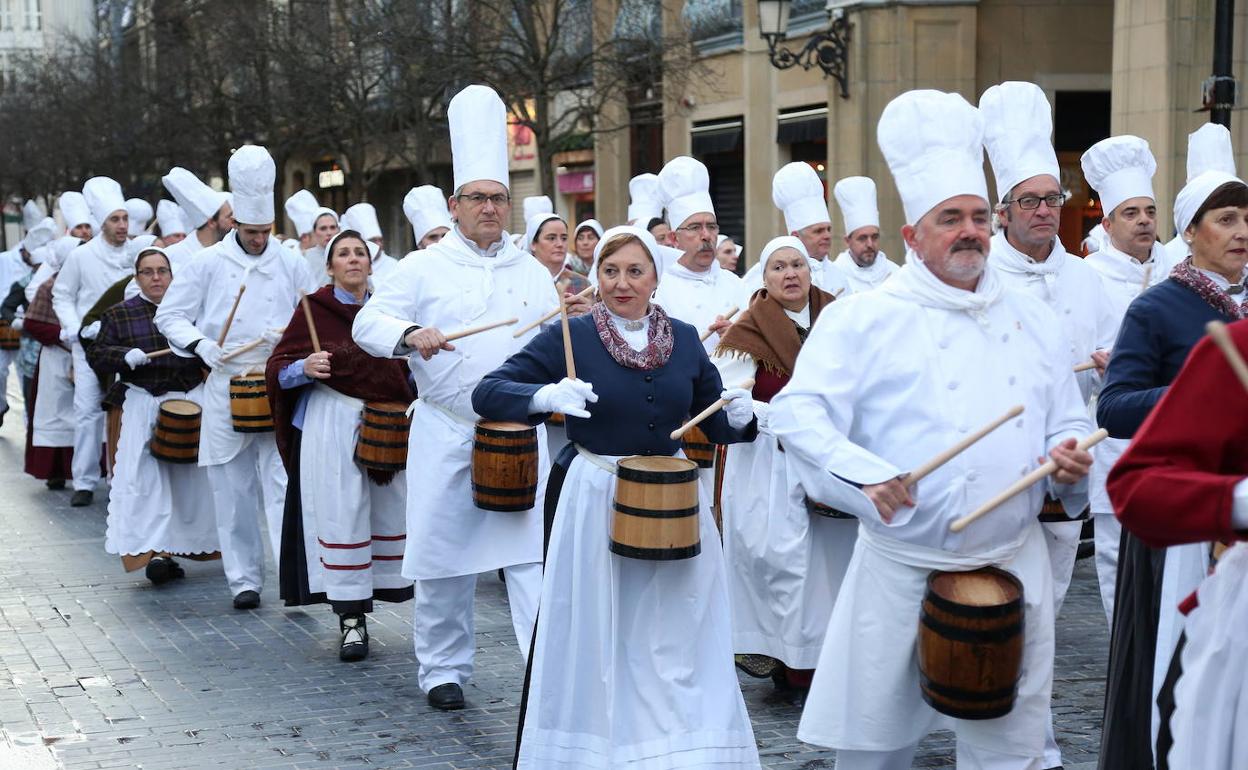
[(244, 348), (926, 468), (479, 329), (229, 320), (707, 412), (567, 339), (1044, 471), (706, 334), (523, 330), (1148, 274), (307, 315), (1222, 338), (1083, 367), (159, 353)]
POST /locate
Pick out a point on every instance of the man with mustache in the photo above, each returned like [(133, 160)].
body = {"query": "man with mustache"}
[(862, 262), (887, 380)]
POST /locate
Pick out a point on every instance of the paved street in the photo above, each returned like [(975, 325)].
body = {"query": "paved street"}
[(100, 669)]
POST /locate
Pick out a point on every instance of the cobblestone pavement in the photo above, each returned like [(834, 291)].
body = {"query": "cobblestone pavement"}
[(100, 669)]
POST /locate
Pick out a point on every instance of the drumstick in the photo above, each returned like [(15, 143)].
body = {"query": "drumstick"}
[(707, 412), (1222, 338), (249, 346), (1083, 367), (918, 473), (1048, 469), (1148, 274), (706, 334), (230, 318), (307, 314), (159, 353), (567, 339), (584, 293), (479, 329)]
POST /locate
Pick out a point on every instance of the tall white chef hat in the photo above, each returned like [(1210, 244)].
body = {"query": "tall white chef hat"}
[(686, 189), (199, 202), (1018, 130), (1209, 149), (1120, 168), (43, 232), (933, 143), (425, 207), (31, 215), (103, 196), (537, 204), (301, 210), (252, 174), (797, 191), (855, 195), (362, 218), (645, 199), (169, 218), (140, 212), (478, 123), (74, 210)]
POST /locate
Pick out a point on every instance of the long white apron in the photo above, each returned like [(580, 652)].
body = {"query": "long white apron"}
[(633, 662), (218, 441), (153, 505), (1185, 568), (785, 566), (54, 405)]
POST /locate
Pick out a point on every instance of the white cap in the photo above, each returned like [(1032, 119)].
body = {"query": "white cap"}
[(685, 184), (40, 235), (74, 210), (301, 210), (537, 204), (640, 233), (592, 224), (425, 207), (855, 195), (362, 218), (140, 212), (1120, 168), (478, 123), (1195, 193), (1018, 130), (1209, 149), (322, 211), (782, 242), (199, 202), (933, 143), (103, 196), (31, 215), (252, 174), (169, 217), (797, 191), (645, 199), (533, 225)]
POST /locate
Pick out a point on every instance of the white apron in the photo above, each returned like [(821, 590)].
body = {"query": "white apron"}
[(54, 406), (1185, 568), (633, 662), (218, 441)]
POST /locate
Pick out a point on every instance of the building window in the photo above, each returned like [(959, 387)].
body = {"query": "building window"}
[(34, 19), (6, 14)]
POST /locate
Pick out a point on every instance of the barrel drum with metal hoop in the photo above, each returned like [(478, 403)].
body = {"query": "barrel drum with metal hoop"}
[(698, 447), (1054, 512), (10, 338), (655, 514), (175, 437), (249, 404), (504, 466), (382, 441)]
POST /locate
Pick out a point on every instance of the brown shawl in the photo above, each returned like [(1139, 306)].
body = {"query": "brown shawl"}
[(767, 335)]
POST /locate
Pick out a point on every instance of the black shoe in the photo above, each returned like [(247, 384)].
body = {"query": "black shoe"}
[(159, 570), (81, 498), (55, 484), (354, 637), (447, 697), (246, 600)]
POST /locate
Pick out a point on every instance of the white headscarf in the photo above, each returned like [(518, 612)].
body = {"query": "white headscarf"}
[(647, 241), (1195, 193), (533, 226)]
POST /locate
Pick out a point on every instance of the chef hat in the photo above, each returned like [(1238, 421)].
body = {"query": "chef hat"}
[(534, 225), (103, 196), (933, 143), (1120, 168), (1195, 193), (685, 184), (362, 218), (645, 199), (1018, 126), (74, 210), (1209, 149), (425, 207), (292, 245), (61, 248), (252, 174), (40, 235), (783, 242), (301, 209), (537, 204), (140, 212), (592, 224), (855, 195), (139, 244), (31, 214), (199, 202), (169, 217), (797, 191), (478, 123), (641, 233)]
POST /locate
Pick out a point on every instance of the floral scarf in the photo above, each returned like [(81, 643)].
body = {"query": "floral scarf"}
[(1186, 274), (659, 339)]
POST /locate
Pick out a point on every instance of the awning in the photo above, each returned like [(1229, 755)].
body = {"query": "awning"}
[(720, 136), (804, 125)]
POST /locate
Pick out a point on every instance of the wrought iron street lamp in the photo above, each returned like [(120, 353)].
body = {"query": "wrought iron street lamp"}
[(827, 49)]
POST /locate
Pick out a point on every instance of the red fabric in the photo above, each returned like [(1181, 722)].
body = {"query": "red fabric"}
[(1175, 483), (45, 462), (43, 333), (768, 383)]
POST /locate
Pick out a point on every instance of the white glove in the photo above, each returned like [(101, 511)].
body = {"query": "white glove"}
[(91, 330), (567, 396), (760, 412), (209, 352), (68, 336), (740, 407), (136, 358), (16, 324)]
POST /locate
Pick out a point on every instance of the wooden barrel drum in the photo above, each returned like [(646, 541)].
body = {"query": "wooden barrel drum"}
[(655, 514), (971, 642), (10, 338), (1054, 511), (382, 442), (175, 437), (249, 404), (699, 448), (504, 466)]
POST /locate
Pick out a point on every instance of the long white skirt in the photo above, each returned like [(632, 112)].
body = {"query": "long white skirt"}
[(785, 566), (54, 407), (632, 665), (154, 505)]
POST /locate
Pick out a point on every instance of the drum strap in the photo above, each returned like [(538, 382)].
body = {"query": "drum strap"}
[(598, 460), (453, 416)]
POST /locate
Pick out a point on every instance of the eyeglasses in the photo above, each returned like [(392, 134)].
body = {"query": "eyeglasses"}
[(479, 199), (151, 272), (694, 229), (1032, 202)]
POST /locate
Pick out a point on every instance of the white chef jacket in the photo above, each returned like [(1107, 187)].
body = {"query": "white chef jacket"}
[(696, 298), (89, 270), (861, 279)]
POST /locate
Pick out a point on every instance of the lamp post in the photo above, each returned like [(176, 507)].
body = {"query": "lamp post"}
[(827, 49)]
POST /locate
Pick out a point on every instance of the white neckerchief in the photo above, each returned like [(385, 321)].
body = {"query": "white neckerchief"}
[(636, 340), (491, 251), (1219, 280), (115, 256), (915, 283), (707, 276), (800, 317), (1010, 260), (1120, 266), (873, 274), (461, 251)]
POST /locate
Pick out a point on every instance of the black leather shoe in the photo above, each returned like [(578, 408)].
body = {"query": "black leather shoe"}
[(354, 638), (81, 498), (55, 484), (447, 697), (246, 600), (159, 570)]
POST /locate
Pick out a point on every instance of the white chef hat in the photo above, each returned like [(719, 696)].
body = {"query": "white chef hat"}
[(292, 244), (1209, 149), (537, 204), (1018, 130), (685, 184), (169, 218), (645, 199), (61, 248), (533, 225), (140, 212), (1195, 193), (425, 207), (103, 196), (199, 202), (362, 218), (592, 224), (74, 210), (855, 195), (301, 209), (478, 123), (933, 143), (797, 191), (252, 174), (40, 235), (782, 242), (652, 247), (31, 214), (1120, 168)]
